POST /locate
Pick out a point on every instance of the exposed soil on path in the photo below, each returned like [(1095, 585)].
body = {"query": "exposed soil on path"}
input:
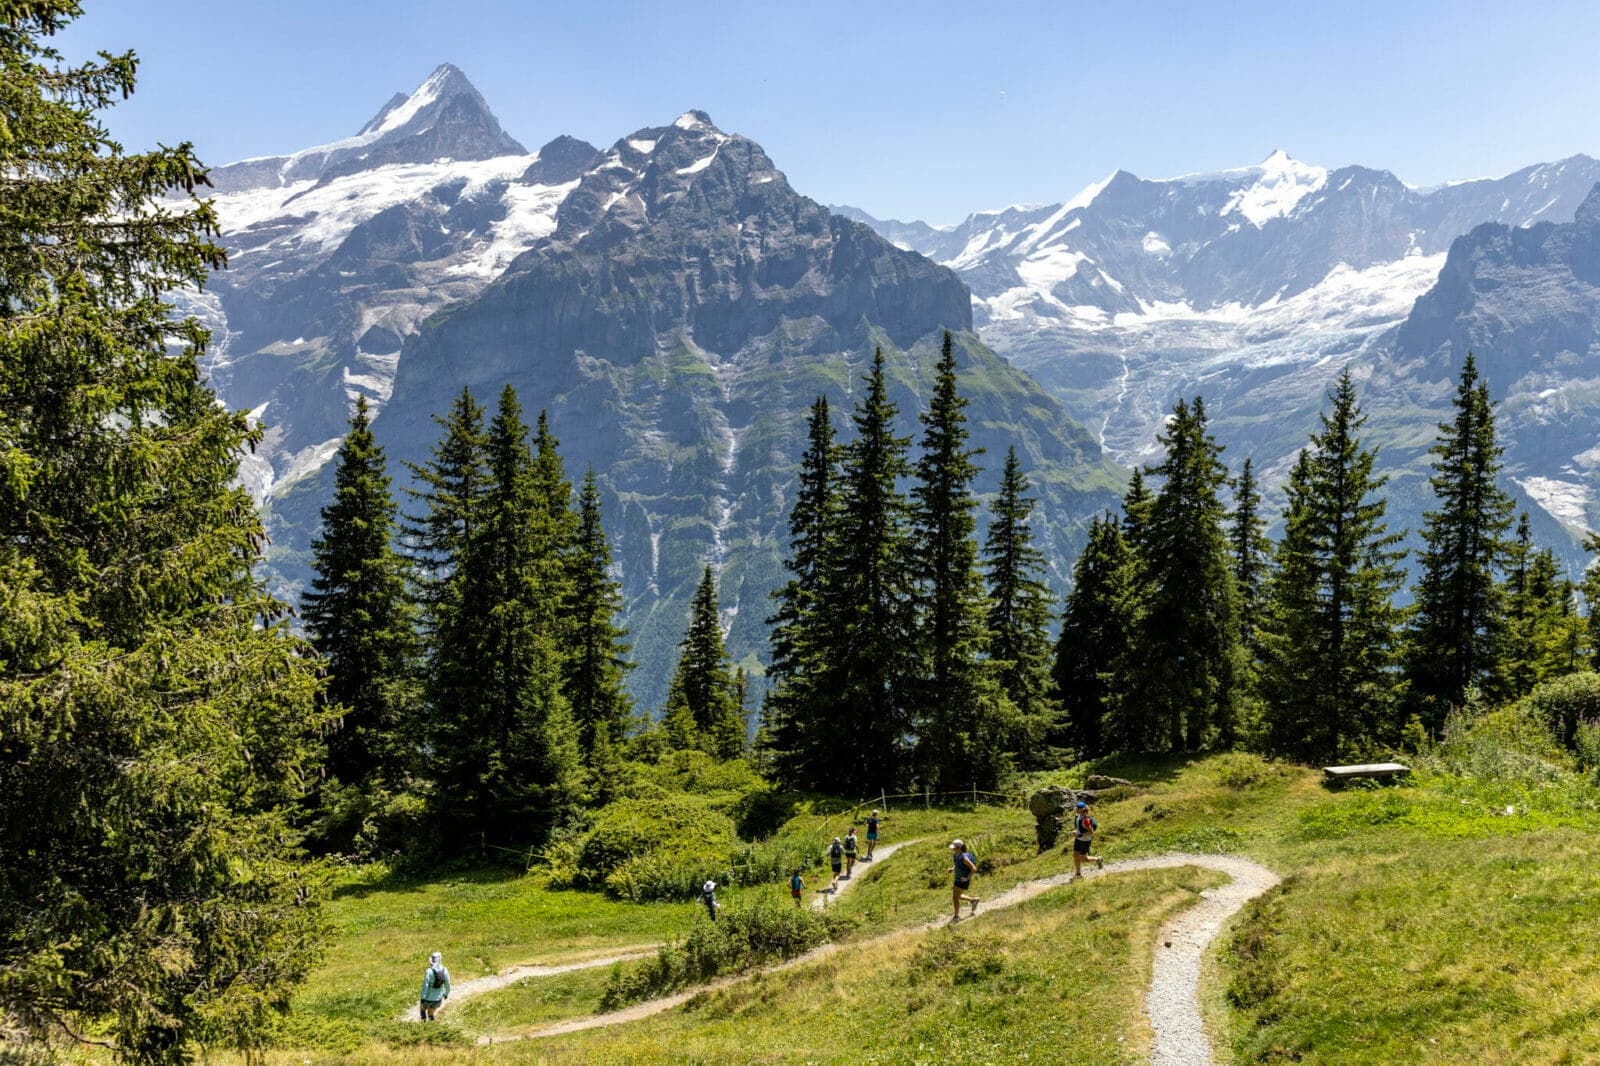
[(1173, 1002)]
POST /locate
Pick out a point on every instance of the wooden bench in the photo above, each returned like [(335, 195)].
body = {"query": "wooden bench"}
[(1379, 770)]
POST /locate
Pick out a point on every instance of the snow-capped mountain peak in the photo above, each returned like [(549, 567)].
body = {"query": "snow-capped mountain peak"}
[(1279, 184), (445, 117)]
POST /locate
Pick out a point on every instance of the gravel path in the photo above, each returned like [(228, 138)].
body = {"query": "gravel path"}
[(477, 986), (511, 975), (1173, 1002), (864, 865)]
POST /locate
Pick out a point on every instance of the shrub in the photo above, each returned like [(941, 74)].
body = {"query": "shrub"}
[(667, 874), (370, 823), (1563, 702), (1242, 769), (746, 935), (632, 828)]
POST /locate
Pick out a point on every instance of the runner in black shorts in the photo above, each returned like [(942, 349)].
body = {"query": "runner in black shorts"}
[(965, 867), (1083, 827)]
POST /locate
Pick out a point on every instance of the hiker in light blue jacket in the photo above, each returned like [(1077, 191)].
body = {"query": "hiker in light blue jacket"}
[(435, 986)]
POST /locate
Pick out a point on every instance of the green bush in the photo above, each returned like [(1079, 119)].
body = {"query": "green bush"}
[(628, 830), (1242, 769), (370, 823), (667, 874), (1563, 702), (746, 935)]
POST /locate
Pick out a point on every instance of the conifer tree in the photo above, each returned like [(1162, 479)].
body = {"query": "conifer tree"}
[(964, 727), (1329, 638), (1540, 636), (360, 619), (702, 685), (507, 749), (868, 654), (794, 733), (1136, 504), (597, 655), (1252, 553), (1187, 645), (1019, 612), (1094, 650), (1458, 603), (157, 717), (556, 528), (1589, 589), (450, 492)]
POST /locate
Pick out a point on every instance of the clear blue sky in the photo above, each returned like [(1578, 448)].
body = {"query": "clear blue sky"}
[(913, 110)]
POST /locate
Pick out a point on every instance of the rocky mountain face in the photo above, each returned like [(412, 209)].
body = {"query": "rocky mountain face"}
[(671, 301), (1249, 284), (1256, 286), (1526, 302)]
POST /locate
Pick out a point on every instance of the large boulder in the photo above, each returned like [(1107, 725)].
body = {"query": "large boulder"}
[(1050, 807)]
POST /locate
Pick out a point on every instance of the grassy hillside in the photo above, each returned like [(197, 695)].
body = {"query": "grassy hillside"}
[(1446, 920)]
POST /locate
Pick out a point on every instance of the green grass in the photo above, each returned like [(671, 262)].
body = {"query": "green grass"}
[(1049, 981), (1419, 923)]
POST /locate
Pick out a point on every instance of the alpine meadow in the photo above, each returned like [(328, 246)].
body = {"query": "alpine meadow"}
[(461, 604)]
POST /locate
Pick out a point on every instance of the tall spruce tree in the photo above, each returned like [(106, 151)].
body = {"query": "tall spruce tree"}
[(157, 717), (795, 731), (1095, 648), (1019, 613), (702, 685), (1589, 589), (450, 488), (964, 726), (1458, 603), (1541, 634), (506, 751), (1136, 504), (1329, 639), (1187, 645), (868, 653), (597, 655), (1252, 554), (361, 620)]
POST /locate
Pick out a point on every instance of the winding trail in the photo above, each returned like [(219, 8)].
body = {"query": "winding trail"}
[(477, 986), (1173, 1002), (824, 897)]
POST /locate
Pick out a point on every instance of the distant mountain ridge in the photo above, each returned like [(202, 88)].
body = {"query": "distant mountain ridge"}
[(671, 301), (1255, 286)]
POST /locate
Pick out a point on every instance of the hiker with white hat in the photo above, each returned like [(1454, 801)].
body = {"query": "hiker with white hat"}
[(435, 986), (708, 896), (966, 865), (836, 860)]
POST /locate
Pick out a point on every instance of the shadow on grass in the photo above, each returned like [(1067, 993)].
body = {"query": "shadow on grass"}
[(1147, 768), (420, 878)]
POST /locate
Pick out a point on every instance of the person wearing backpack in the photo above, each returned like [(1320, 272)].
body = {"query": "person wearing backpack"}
[(872, 832), (965, 866), (708, 896), (1083, 830), (797, 887), (836, 860), (850, 853), (435, 986)]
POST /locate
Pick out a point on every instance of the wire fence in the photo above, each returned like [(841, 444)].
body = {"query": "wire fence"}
[(850, 815)]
